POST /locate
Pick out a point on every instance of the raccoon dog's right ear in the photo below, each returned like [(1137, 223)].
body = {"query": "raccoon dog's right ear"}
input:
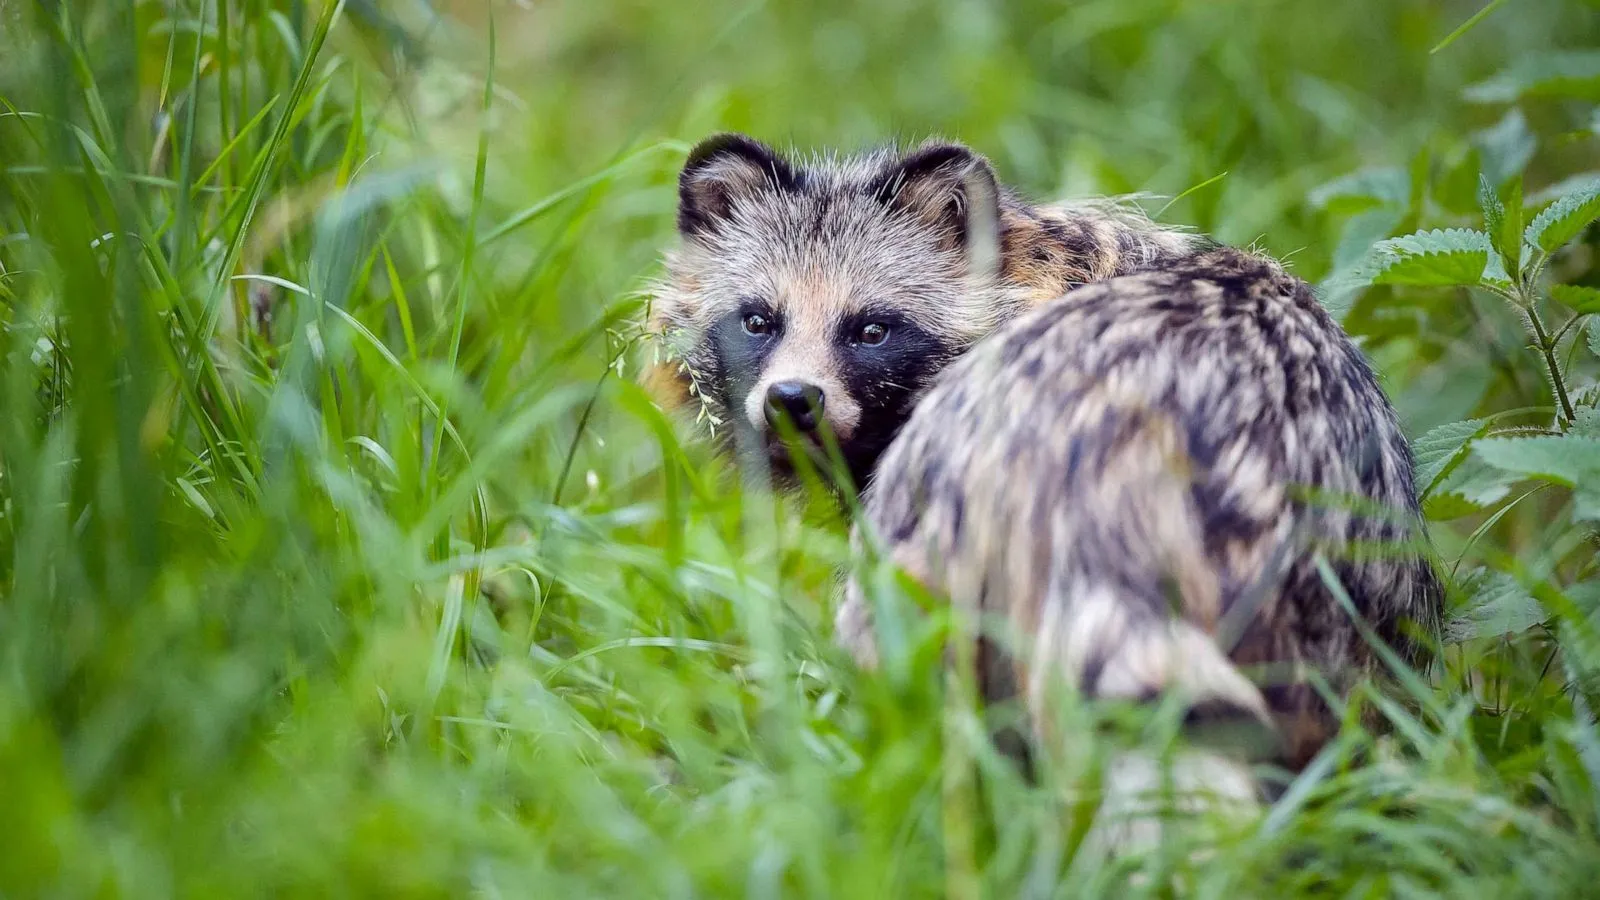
[(722, 168), (947, 186)]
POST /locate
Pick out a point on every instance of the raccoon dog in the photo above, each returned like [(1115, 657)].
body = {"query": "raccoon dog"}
[(1126, 444), (828, 292), (1135, 482)]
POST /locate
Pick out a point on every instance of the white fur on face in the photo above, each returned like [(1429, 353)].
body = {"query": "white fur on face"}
[(805, 359)]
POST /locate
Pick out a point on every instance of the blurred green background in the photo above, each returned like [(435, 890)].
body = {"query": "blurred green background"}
[(339, 555)]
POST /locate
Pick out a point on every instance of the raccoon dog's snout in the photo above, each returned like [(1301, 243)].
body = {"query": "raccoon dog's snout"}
[(800, 401)]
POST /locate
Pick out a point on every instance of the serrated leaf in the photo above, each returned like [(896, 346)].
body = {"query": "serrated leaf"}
[(1494, 212), (1437, 451), (1495, 274), (1563, 74), (1445, 506), (1570, 460), (1594, 336), (1470, 486), (1562, 220), (1507, 238), (1560, 458), (1452, 256), (1496, 605), (1577, 297)]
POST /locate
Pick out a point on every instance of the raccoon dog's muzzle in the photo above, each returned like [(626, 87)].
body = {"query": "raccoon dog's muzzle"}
[(802, 394)]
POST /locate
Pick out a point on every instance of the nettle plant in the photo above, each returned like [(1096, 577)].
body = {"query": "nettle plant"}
[(1509, 451)]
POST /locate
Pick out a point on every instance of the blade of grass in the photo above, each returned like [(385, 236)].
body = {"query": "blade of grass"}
[(1466, 26)]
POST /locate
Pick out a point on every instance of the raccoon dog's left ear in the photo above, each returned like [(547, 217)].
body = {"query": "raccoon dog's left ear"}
[(721, 169), (947, 186)]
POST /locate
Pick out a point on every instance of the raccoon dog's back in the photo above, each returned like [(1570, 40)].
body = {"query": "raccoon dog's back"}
[(1117, 474)]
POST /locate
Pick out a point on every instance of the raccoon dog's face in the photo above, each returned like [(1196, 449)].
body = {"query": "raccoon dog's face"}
[(824, 296)]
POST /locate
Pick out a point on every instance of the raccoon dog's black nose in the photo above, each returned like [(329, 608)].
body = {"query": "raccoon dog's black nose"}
[(799, 400)]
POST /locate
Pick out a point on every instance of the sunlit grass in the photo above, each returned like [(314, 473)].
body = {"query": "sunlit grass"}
[(342, 556)]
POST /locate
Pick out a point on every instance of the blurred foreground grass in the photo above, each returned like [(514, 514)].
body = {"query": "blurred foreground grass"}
[(338, 555)]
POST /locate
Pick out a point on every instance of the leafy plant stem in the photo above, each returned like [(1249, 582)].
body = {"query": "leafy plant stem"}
[(1522, 296), (1547, 349)]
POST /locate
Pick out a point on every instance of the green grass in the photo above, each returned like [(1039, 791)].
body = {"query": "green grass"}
[(339, 554)]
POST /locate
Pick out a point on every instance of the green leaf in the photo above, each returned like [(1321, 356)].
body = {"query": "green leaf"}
[(1587, 422), (1594, 336), (1495, 273), (1577, 297), (1455, 186), (1453, 256), (1363, 230), (1570, 460), (1350, 272), (1574, 73), (1562, 220), (1417, 178), (1503, 221), (1560, 458), (1496, 605), (1494, 212), (1363, 190), (1469, 487), (1445, 506), (1505, 147), (1441, 449)]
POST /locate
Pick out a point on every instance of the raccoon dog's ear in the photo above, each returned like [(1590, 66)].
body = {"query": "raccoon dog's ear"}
[(947, 186), (722, 168)]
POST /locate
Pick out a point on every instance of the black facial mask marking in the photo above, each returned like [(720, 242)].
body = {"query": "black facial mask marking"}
[(741, 357), (885, 379)]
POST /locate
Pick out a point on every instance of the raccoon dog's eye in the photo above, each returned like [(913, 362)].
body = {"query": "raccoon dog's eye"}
[(757, 324), (872, 334)]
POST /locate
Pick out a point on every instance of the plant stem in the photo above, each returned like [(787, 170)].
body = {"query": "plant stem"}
[(1571, 323), (1547, 349), (1526, 298)]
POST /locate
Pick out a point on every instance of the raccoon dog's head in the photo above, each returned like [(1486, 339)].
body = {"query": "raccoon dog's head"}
[(825, 294)]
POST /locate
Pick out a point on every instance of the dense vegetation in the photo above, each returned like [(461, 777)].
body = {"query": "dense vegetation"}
[(340, 555)]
